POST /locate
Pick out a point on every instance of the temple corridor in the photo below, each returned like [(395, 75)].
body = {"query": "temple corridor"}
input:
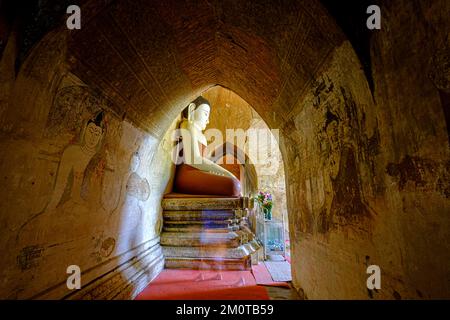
[(362, 153)]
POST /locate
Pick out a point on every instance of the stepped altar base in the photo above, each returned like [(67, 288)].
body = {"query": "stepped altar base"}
[(207, 232)]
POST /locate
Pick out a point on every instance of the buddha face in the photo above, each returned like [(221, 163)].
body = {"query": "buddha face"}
[(92, 135), (201, 116)]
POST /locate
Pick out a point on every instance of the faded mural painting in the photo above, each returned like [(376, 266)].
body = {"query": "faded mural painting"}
[(79, 161), (94, 203), (330, 125)]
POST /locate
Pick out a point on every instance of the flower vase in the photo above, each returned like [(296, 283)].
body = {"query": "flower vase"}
[(267, 214)]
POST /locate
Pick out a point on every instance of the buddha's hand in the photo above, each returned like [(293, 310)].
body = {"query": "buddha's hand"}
[(229, 174), (222, 172)]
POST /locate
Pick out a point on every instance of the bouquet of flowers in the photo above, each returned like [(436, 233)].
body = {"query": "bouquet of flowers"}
[(265, 201)]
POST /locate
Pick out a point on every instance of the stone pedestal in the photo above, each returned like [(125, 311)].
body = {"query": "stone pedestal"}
[(202, 232)]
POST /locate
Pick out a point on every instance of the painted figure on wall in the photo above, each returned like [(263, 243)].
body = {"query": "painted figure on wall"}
[(67, 210), (332, 133), (75, 160), (128, 218), (344, 203), (135, 191), (137, 186), (198, 174)]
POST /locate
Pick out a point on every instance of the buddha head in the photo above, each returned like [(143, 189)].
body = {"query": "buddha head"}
[(198, 112), (93, 132)]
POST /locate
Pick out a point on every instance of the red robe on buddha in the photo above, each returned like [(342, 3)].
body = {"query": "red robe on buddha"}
[(190, 180)]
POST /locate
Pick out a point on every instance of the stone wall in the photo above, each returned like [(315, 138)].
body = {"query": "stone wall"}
[(84, 185), (327, 145), (411, 72), (368, 177)]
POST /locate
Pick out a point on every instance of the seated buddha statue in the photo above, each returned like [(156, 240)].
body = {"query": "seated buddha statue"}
[(196, 174)]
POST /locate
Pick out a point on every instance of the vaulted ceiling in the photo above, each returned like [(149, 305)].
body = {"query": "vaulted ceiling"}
[(151, 57)]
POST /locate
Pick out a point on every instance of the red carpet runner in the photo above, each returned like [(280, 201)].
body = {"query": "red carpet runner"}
[(203, 285)]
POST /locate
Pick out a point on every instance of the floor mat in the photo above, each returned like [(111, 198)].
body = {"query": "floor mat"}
[(203, 285), (280, 271), (263, 277)]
